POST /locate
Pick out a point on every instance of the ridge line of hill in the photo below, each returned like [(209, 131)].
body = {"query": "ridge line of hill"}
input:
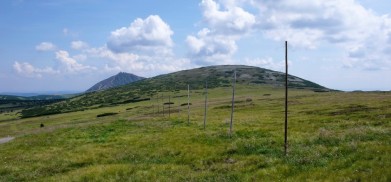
[(217, 76)]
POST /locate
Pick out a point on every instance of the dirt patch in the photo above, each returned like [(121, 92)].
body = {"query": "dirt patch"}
[(106, 114), (6, 139), (352, 109)]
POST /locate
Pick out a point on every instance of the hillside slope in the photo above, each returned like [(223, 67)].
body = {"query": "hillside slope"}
[(216, 76), (38, 97), (12, 102), (115, 81)]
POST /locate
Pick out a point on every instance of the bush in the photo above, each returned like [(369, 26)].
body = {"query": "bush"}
[(106, 114)]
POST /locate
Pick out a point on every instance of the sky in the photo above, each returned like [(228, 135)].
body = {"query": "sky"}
[(69, 45)]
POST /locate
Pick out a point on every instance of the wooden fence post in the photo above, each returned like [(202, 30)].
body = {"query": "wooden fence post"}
[(286, 99), (169, 105), (233, 104), (153, 105), (163, 103), (206, 102), (157, 103), (179, 106), (188, 104)]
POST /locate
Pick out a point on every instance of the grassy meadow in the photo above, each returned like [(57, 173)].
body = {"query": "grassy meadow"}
[(333, 136)]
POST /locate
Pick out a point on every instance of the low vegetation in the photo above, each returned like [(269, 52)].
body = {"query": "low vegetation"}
[(106, 114), (333, 136), (148, 89)]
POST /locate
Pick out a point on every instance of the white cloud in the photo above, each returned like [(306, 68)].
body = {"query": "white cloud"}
[(121, 59), (226, 25), (232, 20), (150, 34), (79, 45), (145, 65), (70, 64), (360, 32), (150, 66), (208, 48), (364, 35), (332, 21), (45, 46), (26, 69), (267, 63), (80, 57), (144, 48)]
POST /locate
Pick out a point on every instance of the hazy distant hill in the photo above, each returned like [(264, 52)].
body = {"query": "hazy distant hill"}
[(13, 102), (217, 76), (38, 97), (115, 81), (42, 93)]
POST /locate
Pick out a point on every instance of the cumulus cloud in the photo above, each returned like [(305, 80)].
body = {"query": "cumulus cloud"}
[(232, 20), (306, 21), (70, 64), (150, 34), (80, 57), (26, 69), (225, 26), (207, 47), (267, 63), (67, 64), (364, 35), (144, 48), (79, 45), (149, 66), (45, 46), (146, 65)]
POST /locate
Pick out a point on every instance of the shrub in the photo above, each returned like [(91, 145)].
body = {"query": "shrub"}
[(106, 114)]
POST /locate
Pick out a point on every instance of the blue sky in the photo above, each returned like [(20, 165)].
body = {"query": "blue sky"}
[(62, 45)]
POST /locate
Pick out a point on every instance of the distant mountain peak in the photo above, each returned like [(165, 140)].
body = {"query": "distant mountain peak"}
[(122, 78)]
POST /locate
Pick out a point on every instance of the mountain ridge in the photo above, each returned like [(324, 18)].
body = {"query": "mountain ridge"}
[(122, 78), (216, 76)]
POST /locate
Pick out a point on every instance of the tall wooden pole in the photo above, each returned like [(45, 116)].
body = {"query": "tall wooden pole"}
[(233, 104), (206, 102), (163, 104), (153, 105), (157, 103), (188, 104), (179, 106), (169, 105), (286, 99)]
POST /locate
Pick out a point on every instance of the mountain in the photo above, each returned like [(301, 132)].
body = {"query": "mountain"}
[(216, 76), (115, 81)]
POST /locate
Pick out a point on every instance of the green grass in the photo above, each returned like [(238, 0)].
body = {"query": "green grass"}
[(216, 76), (333, 136)]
